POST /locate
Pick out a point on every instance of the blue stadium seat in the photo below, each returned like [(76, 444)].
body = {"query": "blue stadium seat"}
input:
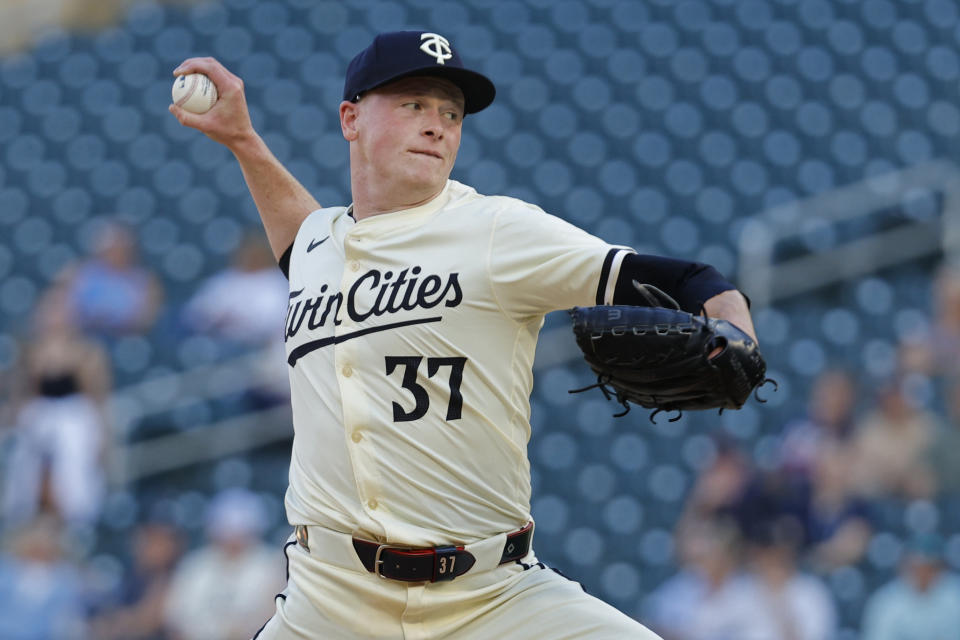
[(487, 176), (449, 17), (524, 150), (122, 123), (100, 95), (534, 41), (222, 235), (32, 235), (46, 179), (268, 18), (386, 16), (529, 94), (136, 205), (564, 66), (131, 354), (114, 45), (685, 178), (11, 123), (53, 47), (173, 44), (596, 482), (19, 71), (25, 152), (350, 41), (720, 39), (783, 38), (208, 18), (583, 547), (692, 15), (146, 19), (689, 65), (41, 97), (587, 149), (184, 263), (61, 124), (629, 16), (294, 43), (232, 44), (18, 294), (556, 451), (597, 41), (70, 206)]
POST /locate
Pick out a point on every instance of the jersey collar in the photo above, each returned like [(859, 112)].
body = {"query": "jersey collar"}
[(426, 208)]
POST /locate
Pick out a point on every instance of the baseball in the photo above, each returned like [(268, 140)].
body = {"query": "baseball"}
[(194, 92)]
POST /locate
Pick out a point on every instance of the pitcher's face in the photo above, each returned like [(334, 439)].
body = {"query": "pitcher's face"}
[(408, 132)]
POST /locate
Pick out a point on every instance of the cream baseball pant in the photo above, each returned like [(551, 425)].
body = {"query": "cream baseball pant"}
[(331, 596)]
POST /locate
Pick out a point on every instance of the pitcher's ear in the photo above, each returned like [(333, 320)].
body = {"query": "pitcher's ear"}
[(349, 112)]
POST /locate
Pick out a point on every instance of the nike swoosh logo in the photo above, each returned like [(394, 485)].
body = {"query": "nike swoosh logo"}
[(294, 294), (314, 244)]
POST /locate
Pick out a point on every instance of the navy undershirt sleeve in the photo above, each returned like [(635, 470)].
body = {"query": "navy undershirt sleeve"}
[(689, 283), (284, 262)]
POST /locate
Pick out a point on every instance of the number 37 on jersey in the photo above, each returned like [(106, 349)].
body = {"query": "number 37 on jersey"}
[(410, 368)]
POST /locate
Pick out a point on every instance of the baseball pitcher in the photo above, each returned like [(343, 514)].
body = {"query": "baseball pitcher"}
[(410, 334)]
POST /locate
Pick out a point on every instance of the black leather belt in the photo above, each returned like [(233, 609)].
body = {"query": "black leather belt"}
[(434, 564)]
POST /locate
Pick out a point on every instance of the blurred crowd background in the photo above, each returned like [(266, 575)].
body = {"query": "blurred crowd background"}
[(804, 147)]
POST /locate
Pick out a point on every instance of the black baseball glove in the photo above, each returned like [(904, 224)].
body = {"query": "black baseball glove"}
[(658, 357)]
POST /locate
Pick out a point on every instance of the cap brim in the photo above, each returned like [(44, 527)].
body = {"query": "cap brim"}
[(478, 90)]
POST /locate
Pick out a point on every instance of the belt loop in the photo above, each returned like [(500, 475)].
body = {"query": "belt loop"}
[(518, 544)]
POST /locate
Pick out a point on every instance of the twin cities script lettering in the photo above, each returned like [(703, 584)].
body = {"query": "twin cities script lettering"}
[(406, 291)]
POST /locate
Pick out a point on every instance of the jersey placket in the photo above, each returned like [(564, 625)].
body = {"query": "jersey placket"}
[(357, 417)]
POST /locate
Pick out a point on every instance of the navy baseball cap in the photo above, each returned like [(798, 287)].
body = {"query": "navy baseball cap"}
[(401, 54)]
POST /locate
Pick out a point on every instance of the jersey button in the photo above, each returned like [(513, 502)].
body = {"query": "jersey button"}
[(372, 503), (347, 371), (356, 436), (354, 265)]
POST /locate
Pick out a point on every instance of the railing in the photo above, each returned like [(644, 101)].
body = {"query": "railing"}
[(131, 461), (765, 280)]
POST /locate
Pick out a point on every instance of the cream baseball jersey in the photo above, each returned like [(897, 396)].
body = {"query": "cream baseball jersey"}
[(410, 339)]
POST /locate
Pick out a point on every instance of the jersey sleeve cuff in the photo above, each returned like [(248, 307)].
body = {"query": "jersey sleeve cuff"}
[(609, 275)]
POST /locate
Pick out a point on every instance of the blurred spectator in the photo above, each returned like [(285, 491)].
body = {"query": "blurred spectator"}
[(60, 435), (41, 594), (943, 455), (836, 523), (246, 302), (111, 293), (720, 485), (831, 522), (923, 603), (787, 604), (138, 611), (829, 420), (243, 308), (225, 590), (709, 598), (889, 447)]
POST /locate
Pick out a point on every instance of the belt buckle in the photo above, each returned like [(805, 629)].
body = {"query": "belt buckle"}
[(300, 532), (377, 562)]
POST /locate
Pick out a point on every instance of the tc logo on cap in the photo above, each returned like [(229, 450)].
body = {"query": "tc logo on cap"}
[(437, 46)]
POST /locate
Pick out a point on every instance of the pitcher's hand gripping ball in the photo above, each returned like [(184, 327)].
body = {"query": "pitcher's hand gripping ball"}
[(659, 358), (194, 92)]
